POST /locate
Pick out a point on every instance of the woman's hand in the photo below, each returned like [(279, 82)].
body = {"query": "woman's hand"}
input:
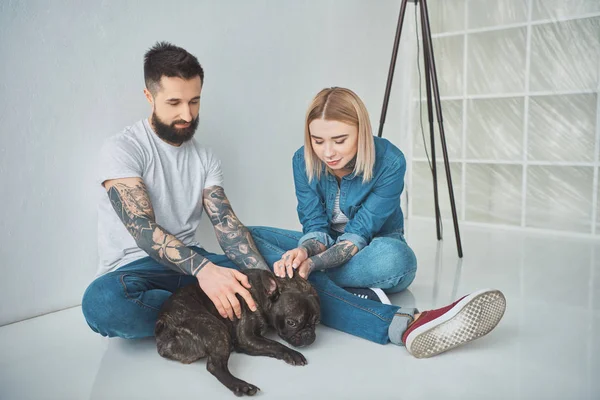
[(306, 268), (290, 260)]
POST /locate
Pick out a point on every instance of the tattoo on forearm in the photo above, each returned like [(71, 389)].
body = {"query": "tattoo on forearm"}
[(313, 247), (235, 239), (134, 208), (335, 256)]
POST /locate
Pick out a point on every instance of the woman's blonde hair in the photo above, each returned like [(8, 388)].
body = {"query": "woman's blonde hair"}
[(343, 105)]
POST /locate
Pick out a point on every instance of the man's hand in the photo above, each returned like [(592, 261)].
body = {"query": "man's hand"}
[(290, 260), (221, 284)]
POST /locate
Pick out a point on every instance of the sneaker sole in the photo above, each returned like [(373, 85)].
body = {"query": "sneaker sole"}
[(473, 317)]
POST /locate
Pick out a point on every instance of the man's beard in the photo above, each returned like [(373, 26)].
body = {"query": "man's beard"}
[(169, 133)]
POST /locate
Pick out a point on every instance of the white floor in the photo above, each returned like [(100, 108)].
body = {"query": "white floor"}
[(546, 347)]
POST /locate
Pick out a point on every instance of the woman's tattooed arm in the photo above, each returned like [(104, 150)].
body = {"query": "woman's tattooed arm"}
[(335, 256), (313, 247)]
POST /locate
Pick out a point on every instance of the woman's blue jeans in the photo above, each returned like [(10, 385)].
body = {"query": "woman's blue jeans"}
[(387, 262)]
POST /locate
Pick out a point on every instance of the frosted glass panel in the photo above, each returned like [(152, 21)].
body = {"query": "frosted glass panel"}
[(448, 52), (495, 129), (444, 15), (496, 62), (493, 193), (559, 198), (565, 55), (422, 186), (452, 113), (598, 217), (485, 13), (595, 296), (562, 128), (501, 143), (545, 9)]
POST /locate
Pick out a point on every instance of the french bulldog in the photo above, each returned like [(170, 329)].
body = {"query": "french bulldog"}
[(190, 328)]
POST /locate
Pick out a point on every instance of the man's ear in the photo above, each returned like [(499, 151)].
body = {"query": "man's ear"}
[(149, 96)]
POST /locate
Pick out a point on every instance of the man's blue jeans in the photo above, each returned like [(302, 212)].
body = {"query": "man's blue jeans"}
[(125, 303)]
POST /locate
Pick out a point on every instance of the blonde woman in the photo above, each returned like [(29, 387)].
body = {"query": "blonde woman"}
[(352, 248)]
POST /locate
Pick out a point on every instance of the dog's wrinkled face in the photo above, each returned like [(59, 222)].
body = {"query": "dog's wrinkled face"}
[(295, 316), (295, 310)]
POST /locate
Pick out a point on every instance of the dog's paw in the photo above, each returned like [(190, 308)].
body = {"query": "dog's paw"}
[(294, 358), (243, 388)]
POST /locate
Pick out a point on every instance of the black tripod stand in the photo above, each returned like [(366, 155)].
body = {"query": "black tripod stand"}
[(431, 83)]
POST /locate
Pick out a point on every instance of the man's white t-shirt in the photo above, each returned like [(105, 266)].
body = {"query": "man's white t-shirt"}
[(175, 178)]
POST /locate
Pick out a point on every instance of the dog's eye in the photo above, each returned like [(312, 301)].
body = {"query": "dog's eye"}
[(291, 323)]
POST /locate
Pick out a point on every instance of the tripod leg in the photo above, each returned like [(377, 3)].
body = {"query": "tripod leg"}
[(436, 92), (388, 86), (431, 132)]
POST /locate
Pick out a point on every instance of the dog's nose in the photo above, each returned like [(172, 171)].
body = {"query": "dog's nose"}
[(308, 337)]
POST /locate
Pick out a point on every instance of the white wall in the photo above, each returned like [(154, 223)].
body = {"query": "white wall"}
[(71, 76)]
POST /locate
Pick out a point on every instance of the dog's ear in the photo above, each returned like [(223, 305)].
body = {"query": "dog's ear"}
[(271, 287), (296, 276), (302, 283)]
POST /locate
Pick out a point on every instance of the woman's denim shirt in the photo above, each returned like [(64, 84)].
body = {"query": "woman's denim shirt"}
[(373, 208)]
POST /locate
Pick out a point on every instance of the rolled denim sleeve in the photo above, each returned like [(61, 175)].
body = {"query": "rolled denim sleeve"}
[(322, 237), (377, 207), (359, 241), (311, 208)]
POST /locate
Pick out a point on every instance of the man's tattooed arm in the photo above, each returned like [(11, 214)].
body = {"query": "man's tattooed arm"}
[(129, 197), (313, 247), (335, 256), (235, 239)]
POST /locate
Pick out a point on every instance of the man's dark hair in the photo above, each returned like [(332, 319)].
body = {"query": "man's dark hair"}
[(165, 59)]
